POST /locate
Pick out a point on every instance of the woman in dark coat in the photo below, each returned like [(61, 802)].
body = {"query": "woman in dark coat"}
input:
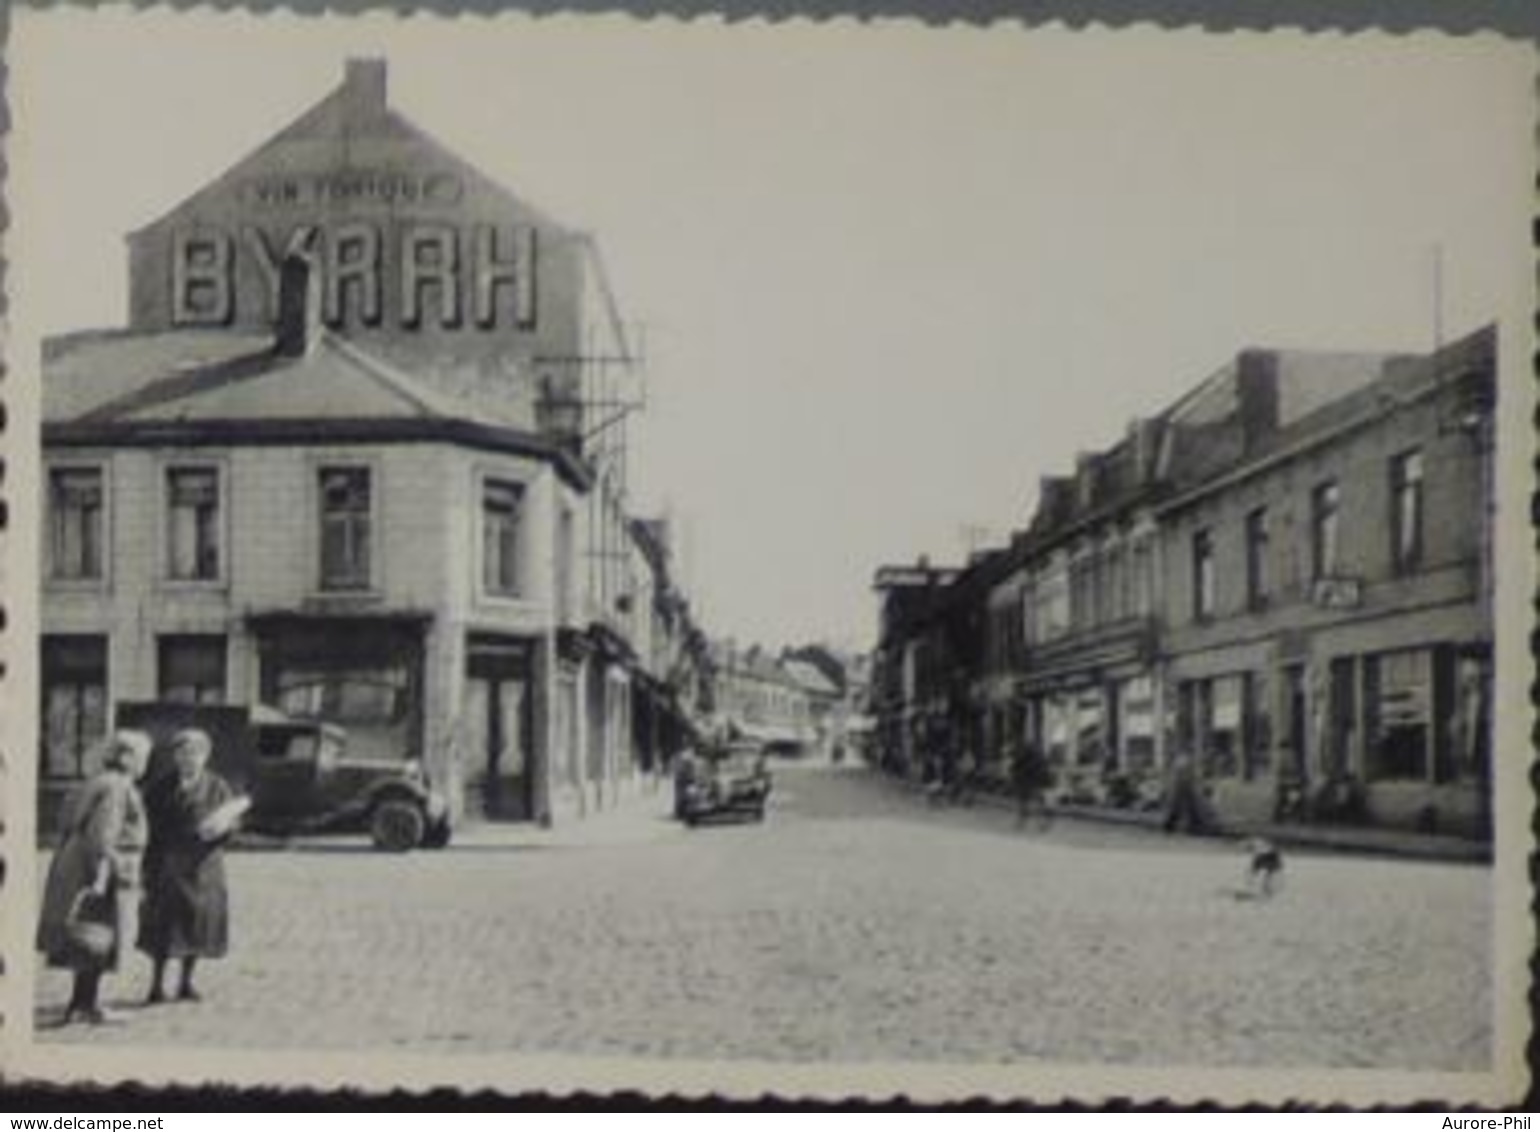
[(104, 834), (186, 907)]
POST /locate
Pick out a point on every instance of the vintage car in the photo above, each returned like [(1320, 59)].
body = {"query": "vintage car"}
[(729, 781), (300, 776)]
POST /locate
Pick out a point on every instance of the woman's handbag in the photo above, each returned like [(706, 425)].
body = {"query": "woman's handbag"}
[(91, 926)]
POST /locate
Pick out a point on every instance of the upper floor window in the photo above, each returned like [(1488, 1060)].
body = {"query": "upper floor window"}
[(1203, 573), (1142, 579), (500, 506), (1406, 509), (1257, 581), (192, 523), (346, 528), (76, 523), (1325, 502)]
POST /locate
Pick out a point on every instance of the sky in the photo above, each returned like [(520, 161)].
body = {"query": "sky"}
[(889, 274)]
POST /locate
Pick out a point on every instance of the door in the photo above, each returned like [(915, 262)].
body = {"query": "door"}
[(498, 731), (1296, 750)]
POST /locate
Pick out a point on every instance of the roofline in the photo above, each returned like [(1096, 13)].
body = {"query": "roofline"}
[(1331, 432), (237, 433)]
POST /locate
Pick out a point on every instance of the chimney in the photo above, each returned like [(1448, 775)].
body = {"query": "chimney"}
[(1256, 391), (1086, 468), (364, 88), (299, 308), (1143, 435), (1053, 497)]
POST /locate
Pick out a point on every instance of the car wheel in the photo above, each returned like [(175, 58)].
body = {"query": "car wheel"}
[(438, 835), (396, 826)]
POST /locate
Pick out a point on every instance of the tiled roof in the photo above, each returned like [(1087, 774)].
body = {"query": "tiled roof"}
[(194, 376), (84, 371)]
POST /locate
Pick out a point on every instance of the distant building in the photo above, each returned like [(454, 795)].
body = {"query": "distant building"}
[(756, 697)]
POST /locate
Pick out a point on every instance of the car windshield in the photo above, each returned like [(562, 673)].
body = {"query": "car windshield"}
[(738, 760)]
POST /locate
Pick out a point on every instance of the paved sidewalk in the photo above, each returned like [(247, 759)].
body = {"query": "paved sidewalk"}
[(1334, 838)]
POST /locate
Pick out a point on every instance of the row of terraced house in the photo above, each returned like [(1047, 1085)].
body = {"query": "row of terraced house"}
[(1286, 575)]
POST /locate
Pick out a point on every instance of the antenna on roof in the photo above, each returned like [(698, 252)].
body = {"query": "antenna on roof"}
[(1438, 296)]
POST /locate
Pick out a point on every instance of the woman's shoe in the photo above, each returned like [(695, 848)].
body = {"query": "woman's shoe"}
[(155, 997), (188, 994)]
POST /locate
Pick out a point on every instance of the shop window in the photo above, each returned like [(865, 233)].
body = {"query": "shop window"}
[(1257, 727), (1406, 510), (192, 669), (346, 528), (1325, 502), (1137, 701), (192, 523), (1202, 574), (1056, 729), (1471, 734), (74, 703), (1257, 581), (1091, 729), (375, 703), (1224, 743), (358, 695), (76, 523), (1399, 689), (500, 512)]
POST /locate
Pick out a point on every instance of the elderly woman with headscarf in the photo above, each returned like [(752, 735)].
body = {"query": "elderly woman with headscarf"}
[(104, 833), (186, 914)]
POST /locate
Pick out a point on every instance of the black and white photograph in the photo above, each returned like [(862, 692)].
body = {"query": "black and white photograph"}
[(840, 559)]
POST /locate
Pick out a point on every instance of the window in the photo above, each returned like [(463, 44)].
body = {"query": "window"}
[(1399, 690), (192, 669), (345, 528), (1257, 582), (1053, 606), (500, 537), (1406, 510), (1202, 574), (74, 708), (1226, 698), (1257, 726), (192, 523), (1142, 578), (75, 499), (1324, 504)]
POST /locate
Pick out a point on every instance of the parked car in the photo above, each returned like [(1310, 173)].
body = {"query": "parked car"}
[(301, 777), (731, 781)]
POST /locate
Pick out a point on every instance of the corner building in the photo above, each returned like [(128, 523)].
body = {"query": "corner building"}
[(339, 462)]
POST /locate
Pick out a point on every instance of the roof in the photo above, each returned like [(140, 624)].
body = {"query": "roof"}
[(807, 675), (201, 387), (353, 120)]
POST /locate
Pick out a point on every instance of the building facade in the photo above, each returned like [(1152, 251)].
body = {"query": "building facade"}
[(340, 462), (1285, 575)]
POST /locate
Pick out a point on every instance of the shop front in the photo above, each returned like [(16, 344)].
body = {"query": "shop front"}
[(499, 753), (363, 673)]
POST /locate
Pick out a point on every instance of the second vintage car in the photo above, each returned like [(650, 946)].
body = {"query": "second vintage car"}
[(728, 781)]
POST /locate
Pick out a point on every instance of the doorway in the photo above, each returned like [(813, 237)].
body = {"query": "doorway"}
[(498, 714)]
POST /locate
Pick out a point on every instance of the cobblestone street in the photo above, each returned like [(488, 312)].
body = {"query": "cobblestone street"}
[(853, 924)]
